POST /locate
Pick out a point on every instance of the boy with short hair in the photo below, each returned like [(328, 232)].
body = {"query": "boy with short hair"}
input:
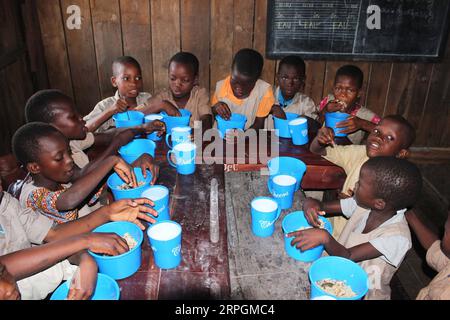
[(22, 227), (291, 80), (184, 92), (376, 235), (127, 78), (243, 92), (391, 137), (345, 98), (57, 109), (57, 188)]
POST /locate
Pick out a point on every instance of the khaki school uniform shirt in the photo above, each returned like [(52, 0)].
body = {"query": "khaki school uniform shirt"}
[(350, 158), (198, 103), (300, 104), (258, 104), (141, 99), (439, 287), (78, 146), (19, 228), (392, 239)]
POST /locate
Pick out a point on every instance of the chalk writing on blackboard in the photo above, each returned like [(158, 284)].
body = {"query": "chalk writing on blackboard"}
[(414, 28)]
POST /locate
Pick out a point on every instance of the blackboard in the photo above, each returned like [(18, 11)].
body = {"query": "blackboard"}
[(409, 30)]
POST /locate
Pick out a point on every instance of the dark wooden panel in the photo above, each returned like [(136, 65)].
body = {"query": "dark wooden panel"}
[(108, 40), (259, 40), (165, 37), (397, 87), (137, 37), (10, 33), (221, 40), (55, 47), (83, 66), (315, 72), (195, 36), (243, 12), (378, 87)]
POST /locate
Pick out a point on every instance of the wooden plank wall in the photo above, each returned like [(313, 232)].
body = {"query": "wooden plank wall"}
[(22, 69), (79, 61)]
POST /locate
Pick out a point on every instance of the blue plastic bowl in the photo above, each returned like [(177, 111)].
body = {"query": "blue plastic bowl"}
[(128, 119), (287, 165), (338, 268), (293, 222), (136, 148), (332, 118), (283, 125), (124, 265), (236, 121), (114, 182), (106, 289), (172, 122)]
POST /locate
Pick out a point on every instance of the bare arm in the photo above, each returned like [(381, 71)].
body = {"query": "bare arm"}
[(425, 236), (83, 186)]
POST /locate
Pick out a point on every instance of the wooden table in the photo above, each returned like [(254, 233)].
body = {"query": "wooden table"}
[(320, 174), (206, 271), (203, 272)]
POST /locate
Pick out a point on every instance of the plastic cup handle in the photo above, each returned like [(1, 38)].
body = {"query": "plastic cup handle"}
[(167, 140), (170, 161)]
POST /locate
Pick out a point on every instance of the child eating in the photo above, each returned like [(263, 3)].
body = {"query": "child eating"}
[(56, 189), (291, 80), (345, 98), (184, 92), (127, 78), (243, 92), (391, 137), (377, 234)]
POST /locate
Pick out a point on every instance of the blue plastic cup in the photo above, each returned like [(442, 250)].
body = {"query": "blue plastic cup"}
[(165, 239), (184, 156), (105, 289), (150, 118), (282, 188), (332, 118), (136, 148), (236, 121), (128, 119), (172, 122), (179, 135), (160, 196), (298, 128), (338, 268), (283, 125), (293, 222), (287, 165), (126, 264), (114, 182), (265, 211)]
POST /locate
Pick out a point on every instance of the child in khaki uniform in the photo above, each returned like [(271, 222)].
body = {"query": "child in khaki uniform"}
[(127, 78), (184, 92), (391, 137), (243, 92), (42, 270), (291, 79), (377, 234), (438, 257)]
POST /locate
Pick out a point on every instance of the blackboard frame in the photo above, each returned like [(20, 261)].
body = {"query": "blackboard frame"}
[(271, 53)]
